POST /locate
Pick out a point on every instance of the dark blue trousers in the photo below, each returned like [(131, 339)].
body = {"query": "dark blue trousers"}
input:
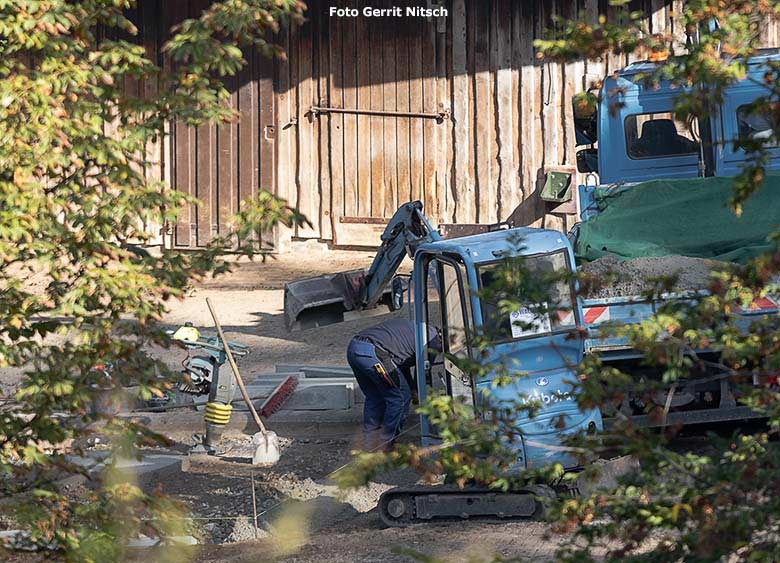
[(386, 406)]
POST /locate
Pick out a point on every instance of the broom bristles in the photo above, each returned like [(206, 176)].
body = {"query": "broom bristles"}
[(279, 395)]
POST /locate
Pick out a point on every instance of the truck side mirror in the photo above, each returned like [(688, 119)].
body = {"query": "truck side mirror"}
[(588, 160), (584, 109), (397, 289)]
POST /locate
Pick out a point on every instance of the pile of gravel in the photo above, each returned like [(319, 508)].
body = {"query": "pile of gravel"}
[(622, 278)]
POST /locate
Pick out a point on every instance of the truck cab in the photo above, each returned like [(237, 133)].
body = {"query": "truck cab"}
[(447, 277), (639, 138)]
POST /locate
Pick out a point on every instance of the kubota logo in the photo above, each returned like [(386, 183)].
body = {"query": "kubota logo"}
[(542, 381)]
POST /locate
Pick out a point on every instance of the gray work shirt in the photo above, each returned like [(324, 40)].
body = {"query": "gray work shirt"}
[(396, 336)]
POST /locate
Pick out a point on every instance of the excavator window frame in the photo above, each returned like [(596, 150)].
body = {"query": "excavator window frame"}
[(440, 261)]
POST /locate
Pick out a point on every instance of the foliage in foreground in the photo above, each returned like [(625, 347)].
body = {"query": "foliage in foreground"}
[(718, 501), (75, 292)]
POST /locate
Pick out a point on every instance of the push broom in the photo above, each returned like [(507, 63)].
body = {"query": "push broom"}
[(266, 441)]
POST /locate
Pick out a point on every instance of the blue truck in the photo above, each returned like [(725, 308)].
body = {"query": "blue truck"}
[(640, 141)]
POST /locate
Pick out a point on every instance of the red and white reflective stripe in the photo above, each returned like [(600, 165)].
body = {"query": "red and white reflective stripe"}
[(762, 303), (596, 315), (565, 317)]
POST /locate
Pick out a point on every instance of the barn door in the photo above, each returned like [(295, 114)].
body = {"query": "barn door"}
[(224, 165)]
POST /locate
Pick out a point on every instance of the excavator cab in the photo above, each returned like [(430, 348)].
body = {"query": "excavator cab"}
[(542, 349)]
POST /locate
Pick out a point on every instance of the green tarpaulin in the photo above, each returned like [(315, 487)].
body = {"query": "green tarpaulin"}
[(681, 217)]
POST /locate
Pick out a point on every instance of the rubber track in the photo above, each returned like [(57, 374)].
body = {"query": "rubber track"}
[(541, 491)]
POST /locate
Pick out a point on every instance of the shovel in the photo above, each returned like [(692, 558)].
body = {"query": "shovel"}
[(265, 442)]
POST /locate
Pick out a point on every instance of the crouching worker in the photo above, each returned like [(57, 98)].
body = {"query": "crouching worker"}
[(381, 357)]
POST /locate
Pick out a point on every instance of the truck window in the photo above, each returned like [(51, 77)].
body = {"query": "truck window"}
[(552, 313), (653, 135), (758, 123)]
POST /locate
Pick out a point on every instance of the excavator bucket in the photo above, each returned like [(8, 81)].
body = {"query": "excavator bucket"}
[(324, 300), (321, 300)]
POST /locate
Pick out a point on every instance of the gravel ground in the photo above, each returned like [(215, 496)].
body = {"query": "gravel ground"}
[(312, 521), (296, 498), (632, 277)]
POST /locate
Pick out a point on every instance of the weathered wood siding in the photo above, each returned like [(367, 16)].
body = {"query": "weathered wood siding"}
[(224, 165), (509, 115)]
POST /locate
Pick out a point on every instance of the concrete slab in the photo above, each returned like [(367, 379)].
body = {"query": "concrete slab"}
[(316, 394), (359, 397), (145, 541), (152, 469), (286, 368), (317, 372), (273, 376), (328, 396)]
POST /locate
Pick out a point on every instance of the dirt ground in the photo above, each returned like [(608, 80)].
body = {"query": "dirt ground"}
[(296, 498), (314, 523), (298, 490), (250, 305)]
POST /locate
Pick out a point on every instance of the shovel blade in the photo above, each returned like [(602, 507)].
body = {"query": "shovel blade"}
[(267, 451)]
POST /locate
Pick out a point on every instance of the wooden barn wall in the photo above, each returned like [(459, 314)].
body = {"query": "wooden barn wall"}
[(226, 164), (220, 165), (509, 115)]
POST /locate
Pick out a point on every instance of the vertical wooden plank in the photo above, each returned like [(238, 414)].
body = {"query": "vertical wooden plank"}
[(264, 130), (551, 112), (573, 82), (247, 116), (613, 62), (286, 133), (594, 70), (349, 90), (378, 186), (183, 165), (464, 193), (417, 161), (336, 121), (504, 108), (508, 208), (308, 173), (389, 124), (323, 128), (483, 117), (550, 99), (532, 210), (227, 166), (405, 34), (657, 16), (429, 157), (150, 16), (132, 84), (263, 126), (444, 134), (366, 144), (206, 182), (677, 25), (167, 158), (205, 165)]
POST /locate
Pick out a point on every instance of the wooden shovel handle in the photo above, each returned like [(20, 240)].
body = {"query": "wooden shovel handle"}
[(234, 367)]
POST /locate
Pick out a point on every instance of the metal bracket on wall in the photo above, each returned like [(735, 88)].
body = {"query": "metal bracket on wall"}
[(438, 116)]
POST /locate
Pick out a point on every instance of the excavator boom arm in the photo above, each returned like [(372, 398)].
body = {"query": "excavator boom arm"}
[(323, 300)]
